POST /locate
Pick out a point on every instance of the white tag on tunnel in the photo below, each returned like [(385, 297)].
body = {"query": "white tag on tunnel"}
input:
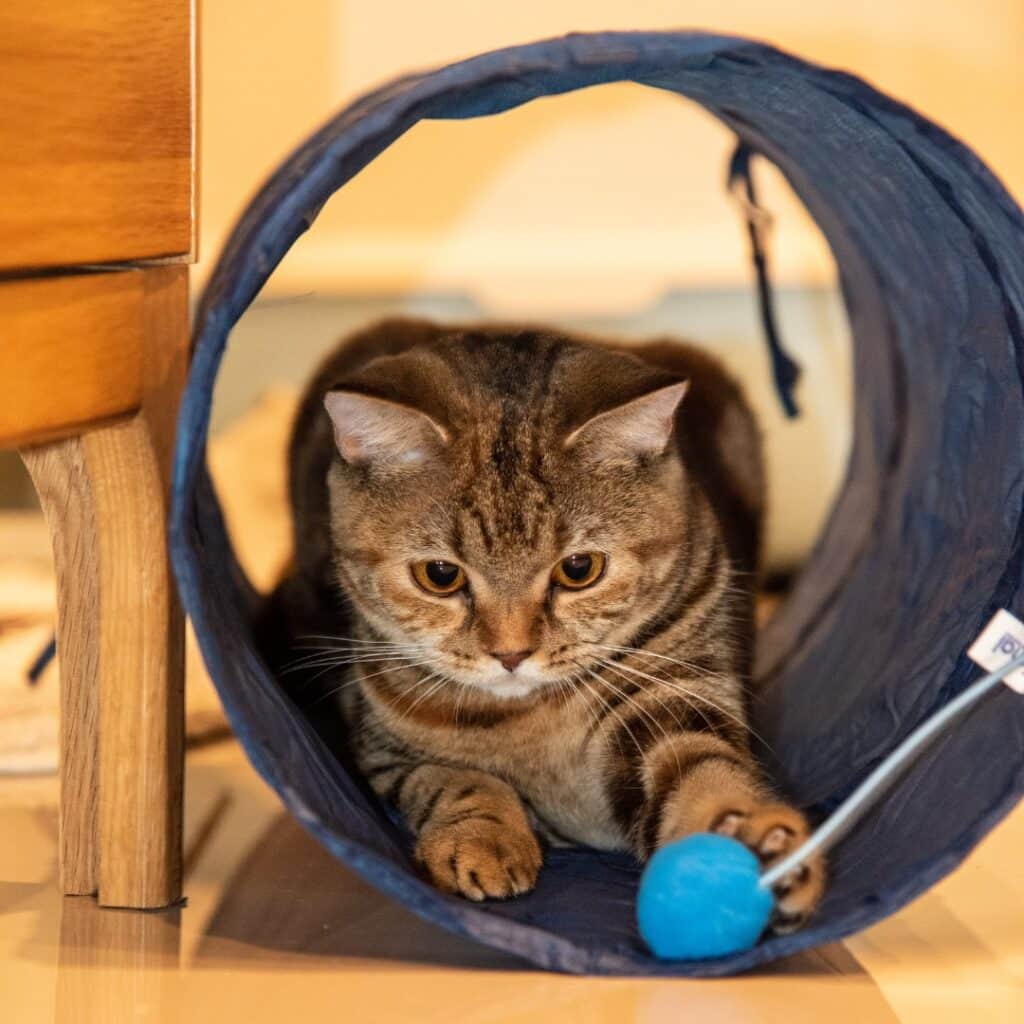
[(1000, 641)]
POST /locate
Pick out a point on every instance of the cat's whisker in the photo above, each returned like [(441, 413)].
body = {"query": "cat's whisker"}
[(720, 708), (591, 710), (350, 648), (351, 640), (640, 652), (329, 663), (590, 707), (342, 652), (344, 671), (679, 688), (361, 679), (565, 687), (657, 699), (361, 652), (357, 655), (404, 664), (662, 682), (723, 709), (324, 660), (665, 735), (657, 679), (460, 696), (612, 711), (328, 668), (344, 655), (344, 658), (354, 645), (425, 696), (343, 685), (690, 695), (571, 685), (354, 649), (384, 672), (628, 698)]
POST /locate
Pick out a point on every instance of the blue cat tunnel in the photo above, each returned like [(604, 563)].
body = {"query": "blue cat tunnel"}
[(923, 545)]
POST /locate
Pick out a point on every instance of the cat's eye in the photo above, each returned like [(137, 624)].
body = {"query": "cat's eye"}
[(439, 577), (579, 570)]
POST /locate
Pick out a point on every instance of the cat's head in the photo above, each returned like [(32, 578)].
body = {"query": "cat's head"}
[(507, 507)]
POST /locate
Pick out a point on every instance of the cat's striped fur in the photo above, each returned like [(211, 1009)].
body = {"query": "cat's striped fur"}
[(503, 450)]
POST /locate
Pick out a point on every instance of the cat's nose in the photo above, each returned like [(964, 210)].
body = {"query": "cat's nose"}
[(511, 659)]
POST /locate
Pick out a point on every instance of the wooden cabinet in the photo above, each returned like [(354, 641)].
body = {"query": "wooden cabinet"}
[(97, 222)]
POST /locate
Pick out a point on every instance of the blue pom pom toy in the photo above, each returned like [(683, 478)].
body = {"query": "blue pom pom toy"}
[(701, 897)]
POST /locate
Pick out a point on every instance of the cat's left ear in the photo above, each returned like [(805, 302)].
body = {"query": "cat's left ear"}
[(642, 426)]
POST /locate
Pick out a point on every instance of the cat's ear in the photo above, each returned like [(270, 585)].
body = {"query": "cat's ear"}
[(642, 426), (374, 430)]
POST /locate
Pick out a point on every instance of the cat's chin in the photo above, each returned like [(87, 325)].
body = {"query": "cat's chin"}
[(510, 688)]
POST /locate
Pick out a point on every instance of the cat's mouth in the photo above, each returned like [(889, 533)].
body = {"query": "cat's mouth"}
[(505, 685), (511, 687)]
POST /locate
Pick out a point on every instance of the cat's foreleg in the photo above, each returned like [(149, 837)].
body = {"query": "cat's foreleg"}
[(693, 782), (472, 832)]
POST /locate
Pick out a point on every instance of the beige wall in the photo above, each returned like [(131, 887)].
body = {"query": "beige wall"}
[(599, 199)]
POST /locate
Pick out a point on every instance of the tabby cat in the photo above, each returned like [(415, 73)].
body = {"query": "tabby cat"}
[(524, 568)]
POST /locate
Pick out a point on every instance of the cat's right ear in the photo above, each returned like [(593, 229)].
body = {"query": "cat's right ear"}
[(371, 430)]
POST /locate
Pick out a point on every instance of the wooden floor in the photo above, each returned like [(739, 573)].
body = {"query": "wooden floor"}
[(275, 930)]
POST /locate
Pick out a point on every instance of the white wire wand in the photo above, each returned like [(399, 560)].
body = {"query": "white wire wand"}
[(849, 811)]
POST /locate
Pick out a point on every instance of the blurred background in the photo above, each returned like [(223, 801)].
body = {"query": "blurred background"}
[(604, 209)]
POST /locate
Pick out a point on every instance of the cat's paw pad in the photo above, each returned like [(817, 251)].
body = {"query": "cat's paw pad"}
[(772, 831), (480, 859)]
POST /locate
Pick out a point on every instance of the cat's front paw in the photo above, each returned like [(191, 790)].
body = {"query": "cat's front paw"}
[(480, 859), (772, 831)]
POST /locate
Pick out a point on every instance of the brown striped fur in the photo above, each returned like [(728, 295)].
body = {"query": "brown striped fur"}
[(627, 725)]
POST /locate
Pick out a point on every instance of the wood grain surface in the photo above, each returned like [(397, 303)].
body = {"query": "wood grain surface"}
[(61, 479), (141, 680), (97, 132), (73, 349)]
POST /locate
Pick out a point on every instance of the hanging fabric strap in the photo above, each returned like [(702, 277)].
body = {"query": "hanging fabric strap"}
[(785, 370), (42, 659)]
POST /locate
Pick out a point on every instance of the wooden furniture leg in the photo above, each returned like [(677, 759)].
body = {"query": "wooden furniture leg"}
[(120, 629), (141, 695), (62, 483)]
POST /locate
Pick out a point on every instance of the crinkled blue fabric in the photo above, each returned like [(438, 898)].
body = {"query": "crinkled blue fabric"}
[(924, 543)]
